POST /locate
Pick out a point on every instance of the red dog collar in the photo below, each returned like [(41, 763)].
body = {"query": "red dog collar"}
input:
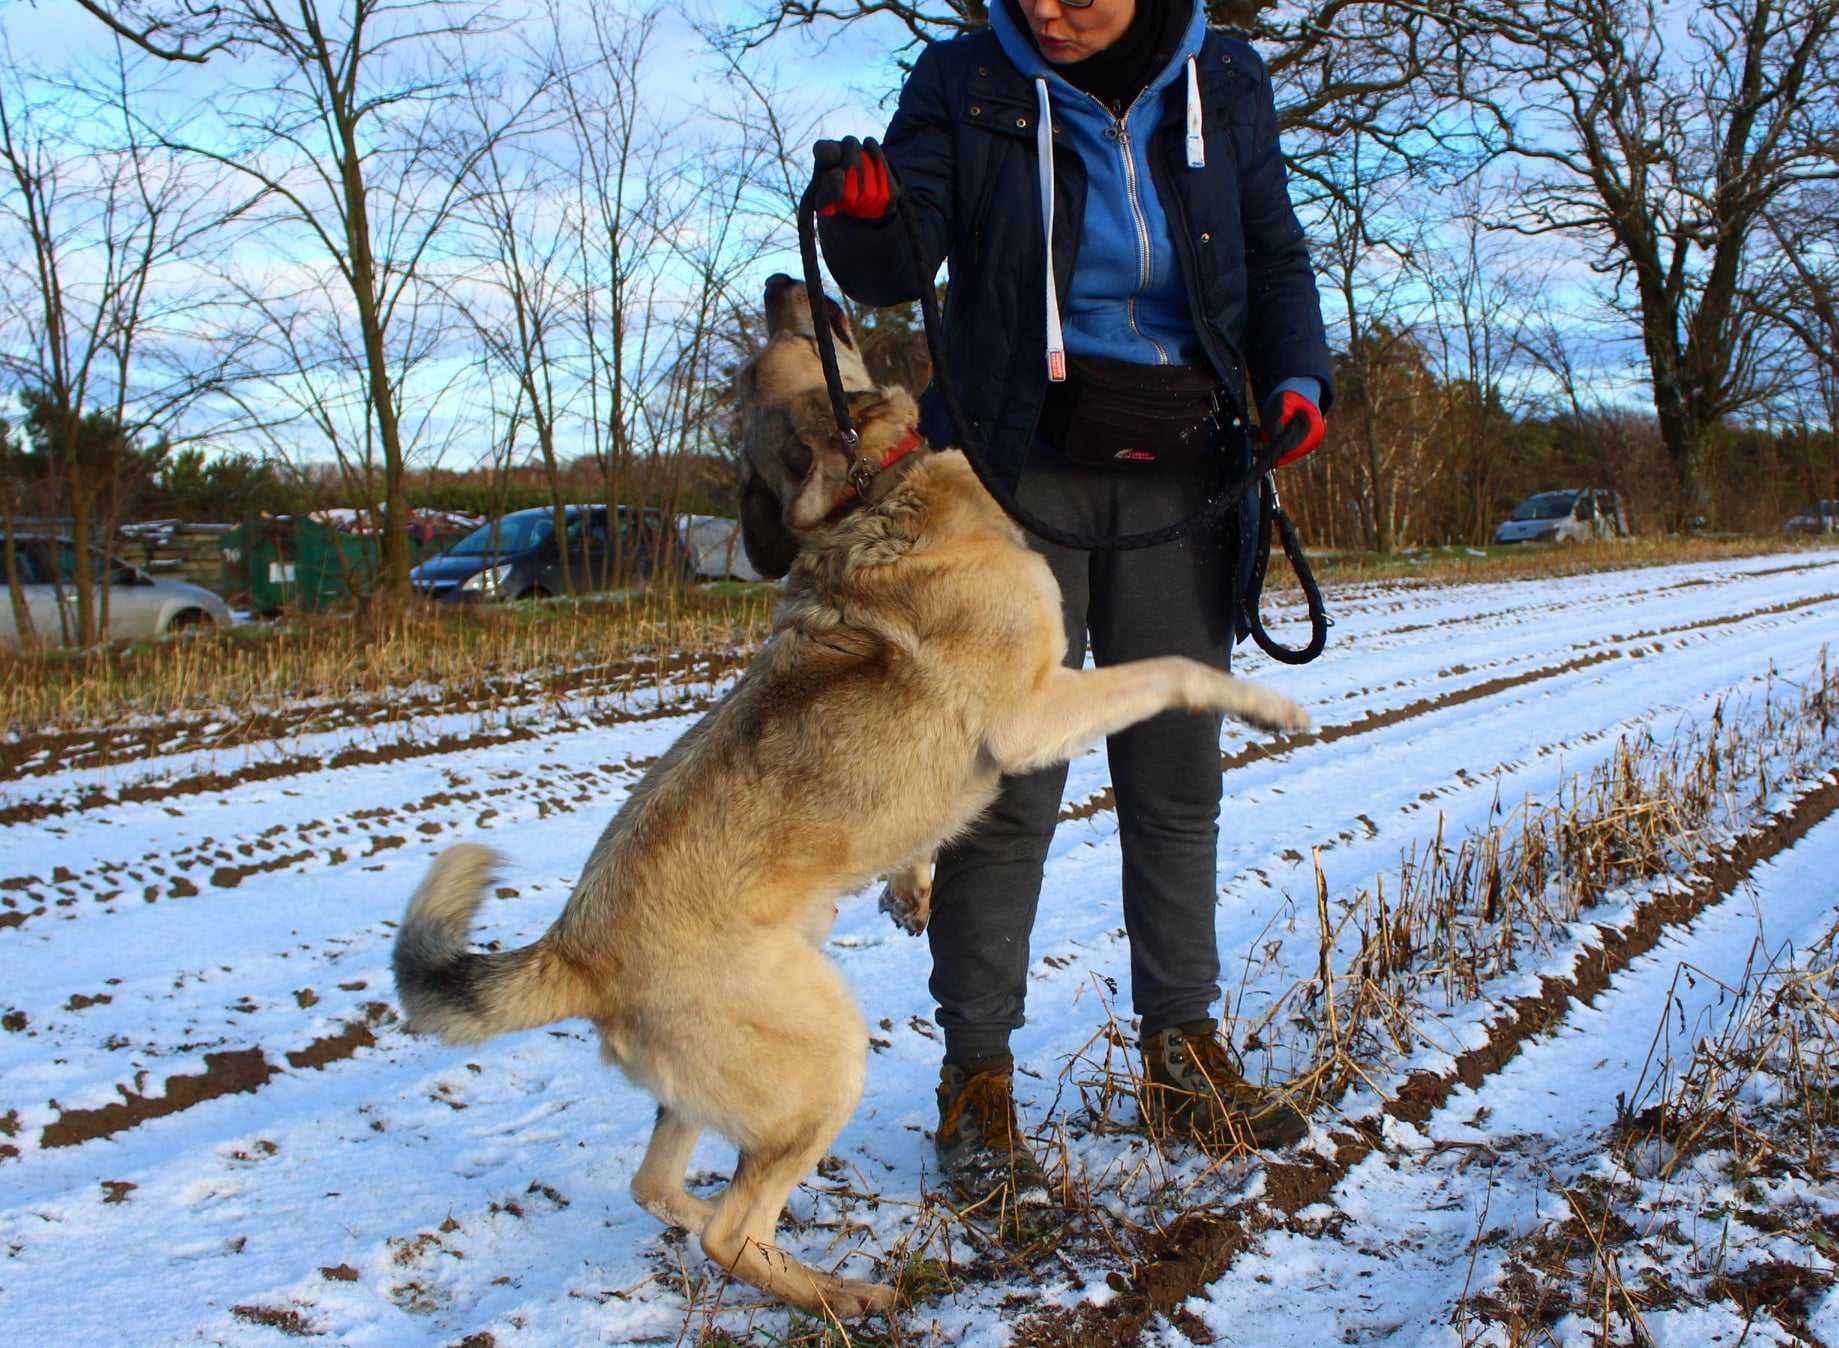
[(861, 473)]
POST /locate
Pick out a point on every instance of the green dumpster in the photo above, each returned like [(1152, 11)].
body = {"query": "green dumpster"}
[(295, 562)]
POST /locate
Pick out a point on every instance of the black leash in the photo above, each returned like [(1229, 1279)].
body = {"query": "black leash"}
[(1214, 512), (1270, 510)]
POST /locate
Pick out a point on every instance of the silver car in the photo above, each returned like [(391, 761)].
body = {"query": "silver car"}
[(1575, 515), (139, 605), (1822, 519)]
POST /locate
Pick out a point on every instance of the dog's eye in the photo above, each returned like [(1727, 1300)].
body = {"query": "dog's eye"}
[(797, 455)]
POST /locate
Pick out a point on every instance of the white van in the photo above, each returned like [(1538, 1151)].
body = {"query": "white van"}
[(1576, 515)]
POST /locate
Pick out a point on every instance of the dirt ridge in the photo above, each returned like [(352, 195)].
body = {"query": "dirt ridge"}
[(1199, 1247), (231, 1072)]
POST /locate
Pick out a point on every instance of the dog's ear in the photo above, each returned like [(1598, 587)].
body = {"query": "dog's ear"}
[(821, 491), (768, 543), (888, 408)]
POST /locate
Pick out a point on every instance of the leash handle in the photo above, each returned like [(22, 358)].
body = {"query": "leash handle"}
[(820, 321), (1270, 510)]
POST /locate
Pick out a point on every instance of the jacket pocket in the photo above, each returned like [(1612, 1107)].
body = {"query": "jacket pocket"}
[(1000, 116)]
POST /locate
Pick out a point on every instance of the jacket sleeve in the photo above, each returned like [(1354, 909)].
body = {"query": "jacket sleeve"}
[(869, 258), (1284, 326)]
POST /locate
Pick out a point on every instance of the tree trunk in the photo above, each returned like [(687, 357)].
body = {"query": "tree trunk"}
[(376, 359), (22, 611)]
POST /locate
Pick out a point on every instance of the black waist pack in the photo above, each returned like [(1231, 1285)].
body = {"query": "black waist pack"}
[(1113, 414)]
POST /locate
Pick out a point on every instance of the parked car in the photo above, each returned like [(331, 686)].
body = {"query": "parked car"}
[(713, 549), (1576, 515), (1822, 519), (139, 605), (517, 557)]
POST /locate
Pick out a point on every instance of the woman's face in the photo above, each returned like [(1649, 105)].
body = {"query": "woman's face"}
[(1066, 34)]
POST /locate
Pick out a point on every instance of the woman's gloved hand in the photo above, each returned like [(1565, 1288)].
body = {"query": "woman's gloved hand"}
[(851, 178), (1283, 407)]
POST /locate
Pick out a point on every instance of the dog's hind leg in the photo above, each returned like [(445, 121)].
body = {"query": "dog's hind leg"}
[(658, 1186), (787, 1085), (740, 1234)]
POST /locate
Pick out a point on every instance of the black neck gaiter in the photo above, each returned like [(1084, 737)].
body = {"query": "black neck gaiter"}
[(1116, 75)]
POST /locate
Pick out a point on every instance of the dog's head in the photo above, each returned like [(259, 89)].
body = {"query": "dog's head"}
[(797, 471)]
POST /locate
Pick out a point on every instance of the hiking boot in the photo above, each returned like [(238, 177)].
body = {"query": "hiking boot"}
[(1193, 1087), (982, 1152)]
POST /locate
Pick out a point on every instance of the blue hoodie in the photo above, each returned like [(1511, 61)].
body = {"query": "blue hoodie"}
[(1127, 300)]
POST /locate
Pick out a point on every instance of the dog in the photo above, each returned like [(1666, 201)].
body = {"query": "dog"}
[(914, 660)]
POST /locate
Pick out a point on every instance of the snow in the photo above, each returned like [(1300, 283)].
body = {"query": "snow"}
[(484, 1189)]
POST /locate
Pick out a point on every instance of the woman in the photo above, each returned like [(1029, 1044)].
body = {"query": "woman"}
[(1105, 181)]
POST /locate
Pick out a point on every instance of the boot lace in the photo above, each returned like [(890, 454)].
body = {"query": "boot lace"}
[(989, 1099), (1213, 1067)]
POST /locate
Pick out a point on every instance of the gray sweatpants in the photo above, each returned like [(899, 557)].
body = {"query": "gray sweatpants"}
[(1169, 600)]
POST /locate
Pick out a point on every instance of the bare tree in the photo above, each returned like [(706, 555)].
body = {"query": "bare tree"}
[(512, 276), (1662, 140), (104, 291), (1387, 418), (1481, 296), (627, 193), (182, 32), (1340, 61), (350, 124)]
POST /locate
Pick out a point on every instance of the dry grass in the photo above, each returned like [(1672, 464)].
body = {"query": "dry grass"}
[(1459, 913), (470, 657), (483, 656), (1721, 1190)]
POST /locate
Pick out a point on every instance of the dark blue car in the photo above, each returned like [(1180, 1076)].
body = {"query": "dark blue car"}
[(517, 557)]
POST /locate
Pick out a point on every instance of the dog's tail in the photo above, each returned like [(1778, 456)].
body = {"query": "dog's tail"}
[(466, 996)]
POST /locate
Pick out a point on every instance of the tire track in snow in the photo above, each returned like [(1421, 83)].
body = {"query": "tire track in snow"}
[(1578, 1049), (224, 863), (24, 898)]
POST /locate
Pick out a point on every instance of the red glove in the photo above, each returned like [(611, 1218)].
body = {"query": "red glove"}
[(1278, 414), (851, 177)]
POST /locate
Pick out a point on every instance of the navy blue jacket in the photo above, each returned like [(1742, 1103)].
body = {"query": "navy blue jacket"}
[(962, 143)]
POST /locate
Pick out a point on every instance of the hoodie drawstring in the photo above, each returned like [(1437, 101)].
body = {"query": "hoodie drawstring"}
[(1044, 154), (1197, 144), (1044, 159)]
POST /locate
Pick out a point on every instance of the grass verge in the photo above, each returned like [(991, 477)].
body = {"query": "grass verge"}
[(469, 657)]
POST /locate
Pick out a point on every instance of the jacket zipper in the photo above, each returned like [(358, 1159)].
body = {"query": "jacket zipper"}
[(1120, 132)]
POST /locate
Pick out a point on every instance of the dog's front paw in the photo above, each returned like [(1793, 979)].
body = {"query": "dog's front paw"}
[(907, 898), (1246, 701), (1270, 711)]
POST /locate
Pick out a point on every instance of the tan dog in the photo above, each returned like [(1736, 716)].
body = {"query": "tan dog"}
[(914, 661)]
